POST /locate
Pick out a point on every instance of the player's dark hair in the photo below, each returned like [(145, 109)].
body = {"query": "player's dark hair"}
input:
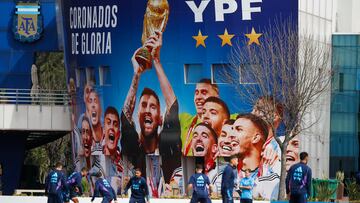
[(92, 90), (98, 174), (212, 132), (235, 156), (84, 169), (217, 100), (138, 169), (229, 158), (199, 166), (259, 123), (303, 155), (58, 164), (86, 119), (247, 170), (112, 110), (229, 122), (208, 81), (148, 91)]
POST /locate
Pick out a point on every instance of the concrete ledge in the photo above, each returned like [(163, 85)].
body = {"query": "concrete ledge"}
[(34, 117)]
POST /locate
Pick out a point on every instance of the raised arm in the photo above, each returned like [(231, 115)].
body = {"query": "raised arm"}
[(155, 42), (129, 104), (170, 142)]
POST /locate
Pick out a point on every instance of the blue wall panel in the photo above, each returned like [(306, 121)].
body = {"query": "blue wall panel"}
[(17, 57)]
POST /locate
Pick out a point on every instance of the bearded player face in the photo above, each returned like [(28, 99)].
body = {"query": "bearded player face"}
[(149, 115), (86, 137), (202, 141)]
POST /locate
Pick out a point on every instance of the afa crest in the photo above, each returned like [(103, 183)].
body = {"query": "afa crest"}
[(27, 22)]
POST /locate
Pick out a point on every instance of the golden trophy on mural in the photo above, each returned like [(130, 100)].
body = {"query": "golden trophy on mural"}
[(155, 19)]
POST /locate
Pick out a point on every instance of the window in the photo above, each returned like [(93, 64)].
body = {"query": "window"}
[(80, 77), (223, 74), (341, 82), (104, 75), (358, 80), (245, 76), (228, 74), (90, 76), (193, 73)]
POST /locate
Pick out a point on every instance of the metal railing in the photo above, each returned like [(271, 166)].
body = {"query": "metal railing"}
[(36, 97)]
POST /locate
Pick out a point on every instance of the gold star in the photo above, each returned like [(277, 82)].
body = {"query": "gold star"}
[(226, 38), (253, 37), (200, 39)]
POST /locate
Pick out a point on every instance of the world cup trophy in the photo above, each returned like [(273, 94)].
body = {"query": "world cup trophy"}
[(155, 19)]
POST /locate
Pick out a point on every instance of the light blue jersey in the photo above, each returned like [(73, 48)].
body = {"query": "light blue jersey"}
[(247, 193)]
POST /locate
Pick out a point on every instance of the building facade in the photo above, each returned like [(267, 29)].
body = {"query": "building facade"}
[(344, 140), (317, 20), (344, 149)]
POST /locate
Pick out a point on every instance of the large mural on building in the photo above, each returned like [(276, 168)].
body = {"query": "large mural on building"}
[(147, 92)]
